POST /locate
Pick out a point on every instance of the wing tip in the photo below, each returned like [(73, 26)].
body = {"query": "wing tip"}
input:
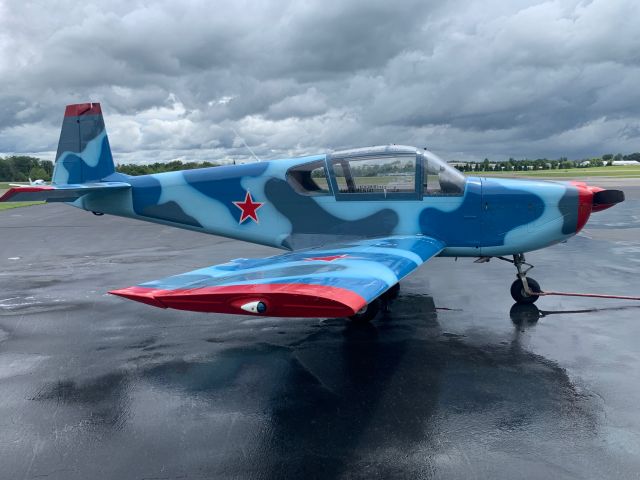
[(12, 192), (140, 294)]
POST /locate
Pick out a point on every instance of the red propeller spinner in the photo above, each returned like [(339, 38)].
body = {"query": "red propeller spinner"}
[(594, 199)]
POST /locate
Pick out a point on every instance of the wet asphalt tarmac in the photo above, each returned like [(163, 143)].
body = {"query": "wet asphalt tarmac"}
[(452, 383)]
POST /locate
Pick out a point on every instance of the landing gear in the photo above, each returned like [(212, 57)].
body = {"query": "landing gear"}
[(393, 292), (519, 293), (524, 290), (370, 311)]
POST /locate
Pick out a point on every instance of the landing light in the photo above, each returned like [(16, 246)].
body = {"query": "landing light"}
[(255, 307)]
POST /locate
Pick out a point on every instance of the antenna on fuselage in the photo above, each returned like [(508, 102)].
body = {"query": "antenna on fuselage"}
[(245, 144)]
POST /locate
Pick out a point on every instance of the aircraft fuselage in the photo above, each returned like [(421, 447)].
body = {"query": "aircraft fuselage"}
[(272, 203)]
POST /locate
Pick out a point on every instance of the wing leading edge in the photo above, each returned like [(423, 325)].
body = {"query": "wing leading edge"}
[(332, 281)]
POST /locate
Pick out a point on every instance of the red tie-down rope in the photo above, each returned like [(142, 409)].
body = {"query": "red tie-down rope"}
[(592, 295)]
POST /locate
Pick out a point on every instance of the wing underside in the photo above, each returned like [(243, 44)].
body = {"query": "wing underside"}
[(322, 282)]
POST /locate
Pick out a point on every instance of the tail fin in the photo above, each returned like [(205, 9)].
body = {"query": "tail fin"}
[(83, 154)]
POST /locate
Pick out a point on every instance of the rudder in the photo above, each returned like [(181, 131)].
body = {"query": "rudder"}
[(83, 152)]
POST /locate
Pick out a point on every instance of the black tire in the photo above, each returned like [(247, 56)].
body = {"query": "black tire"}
[(520, 296), (368, 312), (393, 292)]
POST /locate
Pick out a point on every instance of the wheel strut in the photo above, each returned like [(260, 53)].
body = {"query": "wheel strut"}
[(523, 290), (519, 261)]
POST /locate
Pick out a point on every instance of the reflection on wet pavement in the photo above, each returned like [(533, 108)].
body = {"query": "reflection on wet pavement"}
[(530, 313), (396, 398)]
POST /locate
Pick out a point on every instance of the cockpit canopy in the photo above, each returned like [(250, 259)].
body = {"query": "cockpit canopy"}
[(391, 171), (440, 178)]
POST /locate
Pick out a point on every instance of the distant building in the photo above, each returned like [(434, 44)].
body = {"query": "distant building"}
[(625, 162), (586, 163)]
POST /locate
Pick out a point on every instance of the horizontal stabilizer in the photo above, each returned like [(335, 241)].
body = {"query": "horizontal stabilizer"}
[(58, 193)]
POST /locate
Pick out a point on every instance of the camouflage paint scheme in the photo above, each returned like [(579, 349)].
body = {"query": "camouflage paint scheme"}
[(345, 245)]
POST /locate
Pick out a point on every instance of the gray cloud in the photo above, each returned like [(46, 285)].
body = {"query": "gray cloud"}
[(469, 79)]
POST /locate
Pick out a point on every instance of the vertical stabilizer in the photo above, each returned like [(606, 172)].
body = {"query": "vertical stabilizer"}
[(83, 153)]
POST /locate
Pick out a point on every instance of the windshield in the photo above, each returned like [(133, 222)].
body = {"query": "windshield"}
[(441, 178)]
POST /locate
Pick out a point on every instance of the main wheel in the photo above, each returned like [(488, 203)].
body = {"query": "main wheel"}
[(520, 296), (393, 292), (368, 312)]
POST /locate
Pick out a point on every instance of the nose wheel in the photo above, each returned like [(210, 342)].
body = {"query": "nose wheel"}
[(519, 293), (524, 290)]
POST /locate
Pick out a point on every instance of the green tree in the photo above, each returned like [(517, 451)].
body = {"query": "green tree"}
[(175, 165), (38, 173)]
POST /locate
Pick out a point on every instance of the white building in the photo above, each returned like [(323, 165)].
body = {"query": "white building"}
[(625, 162)]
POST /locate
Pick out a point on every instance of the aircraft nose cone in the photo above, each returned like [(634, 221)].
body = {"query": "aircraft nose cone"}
[(594, 199)]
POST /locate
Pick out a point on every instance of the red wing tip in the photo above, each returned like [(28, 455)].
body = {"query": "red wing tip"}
[(7, 195), (78, 109), (16, 190), (140, 294)]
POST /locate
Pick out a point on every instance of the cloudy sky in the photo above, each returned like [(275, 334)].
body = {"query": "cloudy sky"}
[(195, 80)]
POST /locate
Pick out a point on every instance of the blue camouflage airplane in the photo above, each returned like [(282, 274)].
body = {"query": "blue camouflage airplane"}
[(354, 222)]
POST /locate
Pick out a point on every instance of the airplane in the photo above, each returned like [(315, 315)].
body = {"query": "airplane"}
[(31, 182), (353, 222)]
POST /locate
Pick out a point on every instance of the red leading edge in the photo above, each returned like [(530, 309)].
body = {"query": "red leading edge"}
[(281, 300), (15, 191)]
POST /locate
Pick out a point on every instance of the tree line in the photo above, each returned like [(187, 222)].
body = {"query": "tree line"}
[(175, 165), (544, 163), (20, 168)]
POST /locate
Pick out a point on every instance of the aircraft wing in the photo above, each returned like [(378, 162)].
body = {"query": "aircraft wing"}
[(57, 193), (334, 281)]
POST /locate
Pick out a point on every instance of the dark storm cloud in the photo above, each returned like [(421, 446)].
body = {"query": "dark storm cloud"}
[(195, 80), (344, 37)]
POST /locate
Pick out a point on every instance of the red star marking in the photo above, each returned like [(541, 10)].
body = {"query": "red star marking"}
[(249, 208), (330, 258)]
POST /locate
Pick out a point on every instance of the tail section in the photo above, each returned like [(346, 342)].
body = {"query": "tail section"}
[(83, 162), (83, 153)]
